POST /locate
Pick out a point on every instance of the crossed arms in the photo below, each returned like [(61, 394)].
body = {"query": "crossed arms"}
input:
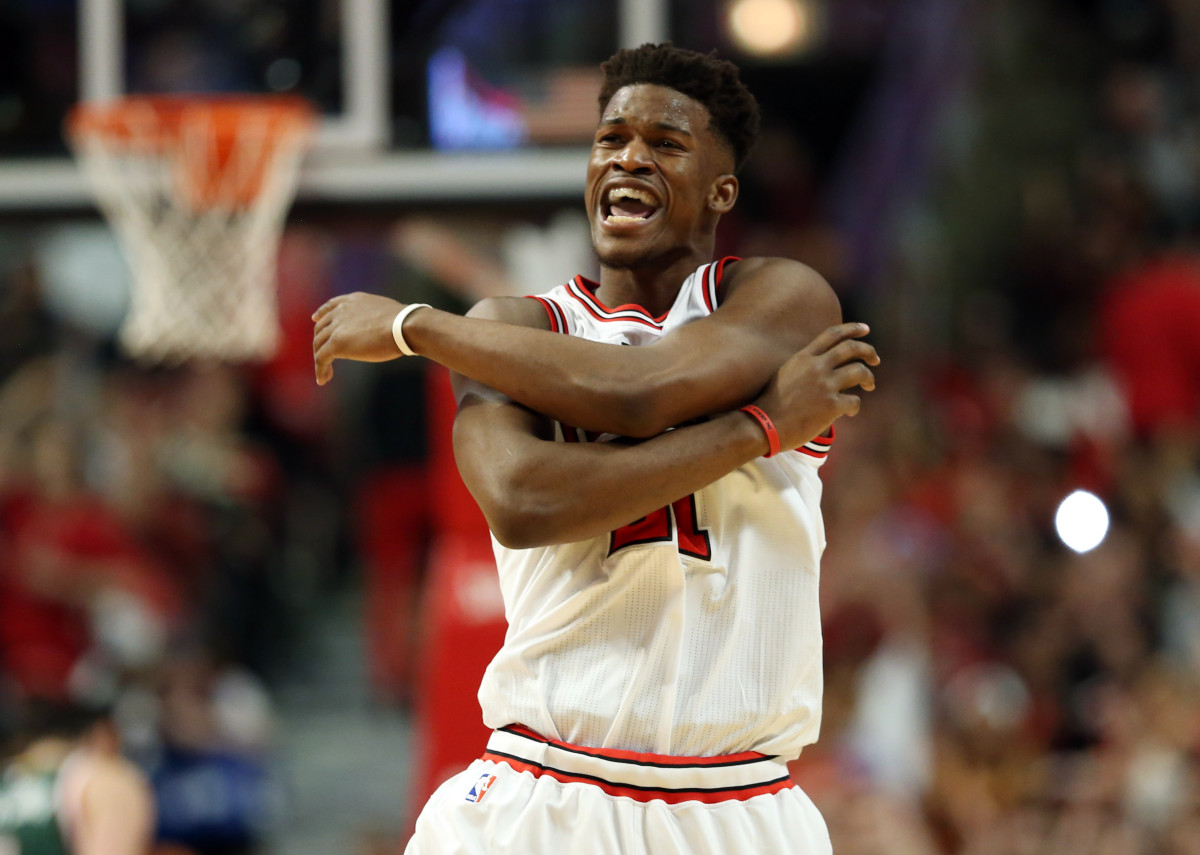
[(776, 340)]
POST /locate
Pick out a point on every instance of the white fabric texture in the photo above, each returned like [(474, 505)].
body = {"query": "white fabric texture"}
[(703, 639), (521, 814)]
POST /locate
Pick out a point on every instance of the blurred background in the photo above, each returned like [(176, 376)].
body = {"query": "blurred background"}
[(284, 594)]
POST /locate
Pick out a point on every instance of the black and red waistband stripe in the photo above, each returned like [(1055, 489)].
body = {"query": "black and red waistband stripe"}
[(709, 795), (617, 755), (636, 775)]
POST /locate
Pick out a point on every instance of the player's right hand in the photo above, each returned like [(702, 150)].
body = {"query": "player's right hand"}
[(354, 326), (813, 388)]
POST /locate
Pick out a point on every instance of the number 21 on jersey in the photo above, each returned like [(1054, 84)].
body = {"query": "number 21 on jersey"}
[(659, 526)]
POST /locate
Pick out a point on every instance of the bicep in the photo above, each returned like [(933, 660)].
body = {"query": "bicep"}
[(500, 448), (493, 436), (481, 399), (518, 311)]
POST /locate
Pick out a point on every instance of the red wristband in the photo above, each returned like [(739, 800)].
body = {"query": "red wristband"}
[(768, 426)]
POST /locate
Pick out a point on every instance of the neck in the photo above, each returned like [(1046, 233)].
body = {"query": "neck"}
[(653, 284)]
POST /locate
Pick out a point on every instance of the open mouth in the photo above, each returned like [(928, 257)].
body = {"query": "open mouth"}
[(628, 206)]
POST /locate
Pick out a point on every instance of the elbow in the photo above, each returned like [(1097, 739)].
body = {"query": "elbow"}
[(515, 530), (530, 530), (520, 496), (519, 518)]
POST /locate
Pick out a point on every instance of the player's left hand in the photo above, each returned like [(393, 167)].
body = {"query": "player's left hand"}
[(818, 384), (354, 326)]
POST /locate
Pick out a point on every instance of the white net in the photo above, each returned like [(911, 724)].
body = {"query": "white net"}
[(197, 193)]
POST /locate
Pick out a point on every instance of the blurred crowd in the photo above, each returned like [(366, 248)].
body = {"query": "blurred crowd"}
[(140, 533), (166, 532), (990, 690)]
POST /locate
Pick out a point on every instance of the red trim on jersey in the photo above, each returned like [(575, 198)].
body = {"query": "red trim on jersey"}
[(644, 758), (709, 291), (580, 290), (554, 326), (558, 320), (584, 290), (819, 446), (562, 317), (644, 794), (712, 284)]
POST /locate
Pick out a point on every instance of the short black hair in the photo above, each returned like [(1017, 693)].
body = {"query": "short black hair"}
[(704, 77)]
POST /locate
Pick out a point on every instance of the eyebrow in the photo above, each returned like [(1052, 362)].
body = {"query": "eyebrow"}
[(662, 126)]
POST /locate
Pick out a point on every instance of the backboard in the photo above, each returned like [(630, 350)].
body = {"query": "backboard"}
[(370, 67)]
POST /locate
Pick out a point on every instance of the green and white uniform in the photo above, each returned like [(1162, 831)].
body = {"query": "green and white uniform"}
[(30, 811)]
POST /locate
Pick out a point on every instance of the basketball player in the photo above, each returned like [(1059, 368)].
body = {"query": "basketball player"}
[(67, 791), (655, 507)]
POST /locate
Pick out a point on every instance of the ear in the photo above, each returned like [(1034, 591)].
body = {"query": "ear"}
[(723, 194)]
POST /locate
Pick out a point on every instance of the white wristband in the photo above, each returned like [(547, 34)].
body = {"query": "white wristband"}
[(398, 326)]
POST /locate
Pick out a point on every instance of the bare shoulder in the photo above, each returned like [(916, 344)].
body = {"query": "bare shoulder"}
[(100, 791), (520, 311), (783, 285), (783, 274), (117, 815)]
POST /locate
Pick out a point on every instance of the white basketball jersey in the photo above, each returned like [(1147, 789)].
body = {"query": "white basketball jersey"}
[(693, 631)]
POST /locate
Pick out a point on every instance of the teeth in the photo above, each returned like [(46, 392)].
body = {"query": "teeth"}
[(617, 218), (631, 193)]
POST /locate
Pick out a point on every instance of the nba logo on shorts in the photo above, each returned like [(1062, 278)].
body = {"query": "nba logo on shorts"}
[(481, 787)]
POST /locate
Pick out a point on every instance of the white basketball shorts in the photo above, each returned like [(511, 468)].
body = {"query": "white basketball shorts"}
[(529, 795)]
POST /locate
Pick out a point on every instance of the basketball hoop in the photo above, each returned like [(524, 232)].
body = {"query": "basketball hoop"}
[(197, 190)]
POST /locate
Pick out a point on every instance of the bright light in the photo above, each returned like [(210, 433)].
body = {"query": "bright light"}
[(1081, 521), (772, 28)]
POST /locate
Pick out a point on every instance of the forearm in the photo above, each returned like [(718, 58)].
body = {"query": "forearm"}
[(708, 365), (587, 384), (536, 492)]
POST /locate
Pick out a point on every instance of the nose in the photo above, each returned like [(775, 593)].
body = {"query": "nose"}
[(635, 157)]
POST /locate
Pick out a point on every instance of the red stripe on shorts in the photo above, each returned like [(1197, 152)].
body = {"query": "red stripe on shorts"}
[(644, 794)]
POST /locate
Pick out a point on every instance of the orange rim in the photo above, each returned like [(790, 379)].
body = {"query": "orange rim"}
[(159, 118), (220, 147)]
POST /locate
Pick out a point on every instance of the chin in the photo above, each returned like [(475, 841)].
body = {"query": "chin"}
[(621, 260), (623, 254), (636, 257)]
